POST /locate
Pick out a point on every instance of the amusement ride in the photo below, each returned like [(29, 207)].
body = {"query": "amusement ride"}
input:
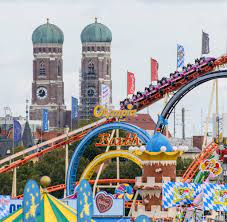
[(154, 154)]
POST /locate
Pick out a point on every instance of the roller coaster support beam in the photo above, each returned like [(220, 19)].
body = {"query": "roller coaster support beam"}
[(118, 159), (186, 89), (208, 115), (101, 166), (14, 183), (66, 131)]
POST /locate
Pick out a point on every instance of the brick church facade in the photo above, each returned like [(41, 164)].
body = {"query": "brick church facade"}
[(48, 85), (95, 67)]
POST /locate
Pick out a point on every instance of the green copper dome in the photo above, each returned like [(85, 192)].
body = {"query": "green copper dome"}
[(96, 32), (48, 33)]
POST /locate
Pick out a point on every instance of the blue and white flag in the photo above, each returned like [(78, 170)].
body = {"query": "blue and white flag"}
[(180, 56), (105, 94), (178, 193), (17, 130), (45, 118), (74, 112), (215, 197)]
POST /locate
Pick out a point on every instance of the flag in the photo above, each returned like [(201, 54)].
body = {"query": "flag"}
[(215, 197), (180, 56), (45, 127), (74, 112), (105, 94), (154, 70), (130, 83), (17, 130), (178, 193), (205, 43)]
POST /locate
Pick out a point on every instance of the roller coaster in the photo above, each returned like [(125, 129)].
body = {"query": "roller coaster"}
[(181, 83)]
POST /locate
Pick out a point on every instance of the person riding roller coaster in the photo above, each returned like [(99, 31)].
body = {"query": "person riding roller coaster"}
[(164, 82)]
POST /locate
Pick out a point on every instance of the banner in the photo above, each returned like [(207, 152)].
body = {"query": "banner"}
[(4, 206), (74, 112), (131, 85), (215, 197), (180, 56), (105, 95), (45, 127), (205, 43), (154, 70), (16, 131), (178, 193)]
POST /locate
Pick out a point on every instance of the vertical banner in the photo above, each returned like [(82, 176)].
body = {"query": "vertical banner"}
[(16, 131), (105, 95), (45, 127), (130, 83), (154, 70), (74, 113), (180, 56), (205, 43)]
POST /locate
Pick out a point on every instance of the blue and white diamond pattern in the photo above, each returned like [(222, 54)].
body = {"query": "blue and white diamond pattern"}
[(209, 196), (168, 192)]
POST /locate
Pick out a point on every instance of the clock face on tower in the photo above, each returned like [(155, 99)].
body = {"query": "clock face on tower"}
[(41, 92), (90, 92)]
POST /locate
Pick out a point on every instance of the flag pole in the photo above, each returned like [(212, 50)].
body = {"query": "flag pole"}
[(71, 122), (127, 85)]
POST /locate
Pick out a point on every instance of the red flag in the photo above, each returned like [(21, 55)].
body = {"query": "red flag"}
[(154, 70), (131, 83)]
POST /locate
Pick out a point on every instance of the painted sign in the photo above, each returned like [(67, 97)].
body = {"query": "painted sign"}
[(106, 205), (212, 166), (129, 140), (100, 111), (8, 206), (104, 201)]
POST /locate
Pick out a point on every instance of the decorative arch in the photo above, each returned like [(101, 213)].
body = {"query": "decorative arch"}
[(98, 160), (185, 90), (72, 170)]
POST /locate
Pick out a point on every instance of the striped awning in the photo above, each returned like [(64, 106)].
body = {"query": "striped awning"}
[(52, 210)]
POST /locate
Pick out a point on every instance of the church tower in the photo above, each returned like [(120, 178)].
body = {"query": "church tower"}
[(48, 85), (95, 67)]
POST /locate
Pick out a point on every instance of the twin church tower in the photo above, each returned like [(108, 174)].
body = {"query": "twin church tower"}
[(48, 84)]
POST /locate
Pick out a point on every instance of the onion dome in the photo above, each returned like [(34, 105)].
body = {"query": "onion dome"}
[(159, 143), (96, 32), (48, 33)]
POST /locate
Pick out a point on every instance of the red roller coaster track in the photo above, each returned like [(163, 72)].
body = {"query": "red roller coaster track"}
[(194, 167)]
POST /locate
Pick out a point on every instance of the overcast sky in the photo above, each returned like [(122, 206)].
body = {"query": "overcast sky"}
[(141, 29)]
